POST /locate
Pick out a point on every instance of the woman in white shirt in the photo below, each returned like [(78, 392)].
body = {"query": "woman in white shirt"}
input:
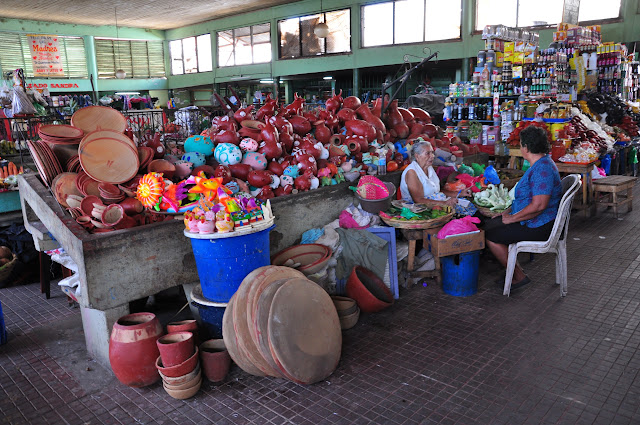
[(420, 182)]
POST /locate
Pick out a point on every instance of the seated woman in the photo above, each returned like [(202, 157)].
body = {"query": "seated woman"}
[(534, 209), (420, 182)]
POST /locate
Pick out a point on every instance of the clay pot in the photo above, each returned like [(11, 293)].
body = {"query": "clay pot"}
[(430, 130), (361, 128), (175, 348), (185, 393), (85, 221), (336, 140), (240, 171), (395, 117), (178, 370), (365, 113), (368, 290), (192, 376), (189, 325), (157, 146), (215, 359), (132, 206), (133, 351), (402, 130), (301, 125), (162, 166), (353, 145), (351, 102), (112, 215)]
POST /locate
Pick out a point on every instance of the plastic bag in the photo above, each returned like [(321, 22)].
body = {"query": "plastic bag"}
[(21, 105), (456, 227), (6, 95)]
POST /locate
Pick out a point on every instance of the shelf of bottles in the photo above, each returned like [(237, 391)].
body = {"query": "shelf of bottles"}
[(610, 68), (631, 85)]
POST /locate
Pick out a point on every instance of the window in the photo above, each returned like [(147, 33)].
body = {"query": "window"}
[(138, 58), (410, 21), (297, 38), (246, 45), (591, 10), (190, 55), (14, 54), (518, 13)]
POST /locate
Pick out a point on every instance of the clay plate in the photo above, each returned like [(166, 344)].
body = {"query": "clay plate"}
[(230, 340), (305, 336), (98, 117), (109, 160), (64, 185)]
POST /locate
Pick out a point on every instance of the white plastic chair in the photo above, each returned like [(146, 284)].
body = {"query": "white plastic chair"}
[(570, 185)]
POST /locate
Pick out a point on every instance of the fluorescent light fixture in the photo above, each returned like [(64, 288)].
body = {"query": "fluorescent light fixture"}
[(269, 81), (127, 93), (327, 78), (281, 81)]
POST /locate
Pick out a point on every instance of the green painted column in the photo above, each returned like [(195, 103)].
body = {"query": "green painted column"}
[(333, 86), (465, 69), (356, 82), (288, 92), (92, 64)]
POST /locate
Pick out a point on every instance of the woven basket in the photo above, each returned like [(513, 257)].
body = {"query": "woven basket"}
[(5, 271), (488, 212), (514, 177), (418, 224)]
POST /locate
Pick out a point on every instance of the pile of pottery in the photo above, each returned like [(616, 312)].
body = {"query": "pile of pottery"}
[(178, 365), (283, 325)]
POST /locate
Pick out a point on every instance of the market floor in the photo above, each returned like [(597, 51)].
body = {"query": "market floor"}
[(532, 358)]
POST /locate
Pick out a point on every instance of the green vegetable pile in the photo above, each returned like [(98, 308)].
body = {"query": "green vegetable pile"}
[(407, 214), (496, 198)]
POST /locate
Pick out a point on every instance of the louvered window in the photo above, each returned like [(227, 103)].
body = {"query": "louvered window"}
[(138, 58), (190, 55), (14, 54)]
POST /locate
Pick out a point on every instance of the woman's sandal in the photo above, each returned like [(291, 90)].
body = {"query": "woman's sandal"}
[(517, 285)]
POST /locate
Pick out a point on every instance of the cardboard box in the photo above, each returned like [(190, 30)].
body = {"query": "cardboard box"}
[(519, 47), (457, 244), (509, 47), (499, 59), (518, 58), (529, 57)]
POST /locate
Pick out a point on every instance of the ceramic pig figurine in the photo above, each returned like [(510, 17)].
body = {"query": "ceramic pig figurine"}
[(248, 145)]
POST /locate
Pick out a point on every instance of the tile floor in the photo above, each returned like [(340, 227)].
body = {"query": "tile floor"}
[(532, 358)]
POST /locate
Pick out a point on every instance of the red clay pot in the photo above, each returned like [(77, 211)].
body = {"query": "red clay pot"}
[(215, 359), (175, 348), (368, 290), (189, 325), (133, 350), (179, 370)]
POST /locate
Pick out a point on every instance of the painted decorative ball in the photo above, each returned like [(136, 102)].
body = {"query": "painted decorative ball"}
[(255, 160), (196, 158), (227, 154), (249, 145), (202, 144)]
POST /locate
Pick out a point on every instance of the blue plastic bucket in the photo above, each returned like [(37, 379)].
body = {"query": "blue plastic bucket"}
[(224, 262), (460, 273), (211, 313), (3, 329)]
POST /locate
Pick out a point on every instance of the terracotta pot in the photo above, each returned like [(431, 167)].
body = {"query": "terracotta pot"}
[(368, 290), (365, 113), (215, 359), (133, 350), (351, 102), (395, 117), (189, 325), (85, 221), (162, 166), (195, 373), (175, 348), (179, 370), (157, 146), (132, 206), (113, 215)]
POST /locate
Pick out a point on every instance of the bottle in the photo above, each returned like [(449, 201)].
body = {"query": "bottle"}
[(382, 162), (489, 112), (472, 112), (460, 112)]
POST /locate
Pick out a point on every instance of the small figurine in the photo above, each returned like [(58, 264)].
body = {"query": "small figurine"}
[(223, 222)]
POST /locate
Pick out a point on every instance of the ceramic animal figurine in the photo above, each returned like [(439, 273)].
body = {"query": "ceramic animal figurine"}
[(201, 144), (249, 145), (196, 158), (223, 222), (228, 154), (206, 227)]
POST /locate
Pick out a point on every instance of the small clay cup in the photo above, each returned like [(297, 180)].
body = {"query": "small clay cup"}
[(85, 221), (175, 348), (215, 359)]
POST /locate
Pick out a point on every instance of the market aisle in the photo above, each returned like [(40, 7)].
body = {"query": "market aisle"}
[(431, 359)]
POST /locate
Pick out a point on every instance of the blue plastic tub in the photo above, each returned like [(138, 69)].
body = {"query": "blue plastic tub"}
[(460, 273), (223, 262), (210, 313), (3, 329)]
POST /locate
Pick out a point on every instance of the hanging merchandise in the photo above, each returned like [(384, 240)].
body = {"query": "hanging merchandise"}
[(20, 105)]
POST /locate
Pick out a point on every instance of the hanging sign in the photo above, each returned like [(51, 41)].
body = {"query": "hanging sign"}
[(45, 55)]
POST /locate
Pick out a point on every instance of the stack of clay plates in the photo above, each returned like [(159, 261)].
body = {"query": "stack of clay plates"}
[(108, 156), (63, 185), (73, 164), (281, 324), (98, 117), (60, 134), (86, 185), (110, 194), (145, 155), (45, 161)]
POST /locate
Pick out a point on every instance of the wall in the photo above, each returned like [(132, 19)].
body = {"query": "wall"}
[(627, 31)]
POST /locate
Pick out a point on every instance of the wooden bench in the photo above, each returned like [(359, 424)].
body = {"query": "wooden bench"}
[(613, 187)]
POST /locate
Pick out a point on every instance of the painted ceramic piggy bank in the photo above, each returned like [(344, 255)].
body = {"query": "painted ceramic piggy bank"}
[(256, 160), (249, 145), (201, 144), (227, 154), (196, 158)]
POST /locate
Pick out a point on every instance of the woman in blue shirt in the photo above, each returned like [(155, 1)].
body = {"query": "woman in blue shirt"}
[(534, 209)]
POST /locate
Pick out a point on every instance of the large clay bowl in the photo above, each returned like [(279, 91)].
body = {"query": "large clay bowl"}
[(344, 305), (368, 290), (349, 321), (183, 394), (182, 379), (87, 204), (195, 380), (162, 166), (178, 370), (311, 257)]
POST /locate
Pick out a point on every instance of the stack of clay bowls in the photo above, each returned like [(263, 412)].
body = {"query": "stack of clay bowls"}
[(281, 324), (348, 311), (178, 365)]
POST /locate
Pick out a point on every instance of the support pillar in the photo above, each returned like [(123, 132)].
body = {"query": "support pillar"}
[(356, 82), (97, 325)]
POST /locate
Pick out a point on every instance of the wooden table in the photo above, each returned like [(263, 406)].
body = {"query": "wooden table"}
[(587, 185), (614, 186)]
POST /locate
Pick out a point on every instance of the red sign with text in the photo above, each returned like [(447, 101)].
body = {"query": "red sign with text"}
[(45, 55)]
